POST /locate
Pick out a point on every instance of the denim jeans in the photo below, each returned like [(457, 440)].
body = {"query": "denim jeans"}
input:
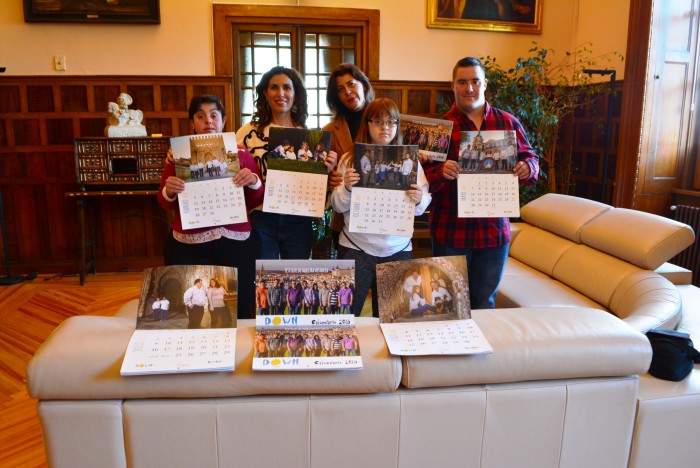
[(485, 268), (283, 236)]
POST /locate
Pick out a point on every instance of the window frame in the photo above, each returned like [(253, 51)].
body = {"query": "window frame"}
[(228, 17)]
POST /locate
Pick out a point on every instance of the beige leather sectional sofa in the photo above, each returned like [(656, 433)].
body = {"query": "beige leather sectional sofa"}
[(565, 386)]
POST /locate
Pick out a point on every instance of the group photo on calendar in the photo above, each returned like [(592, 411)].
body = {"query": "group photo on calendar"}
[(391, 167), (297, 176), (203, 157), (304, 287), (188, 297), (487, 151), (423, 289), (299, 144), (431, 135)]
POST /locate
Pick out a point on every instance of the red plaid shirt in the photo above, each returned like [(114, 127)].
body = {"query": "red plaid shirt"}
[(473, 233)]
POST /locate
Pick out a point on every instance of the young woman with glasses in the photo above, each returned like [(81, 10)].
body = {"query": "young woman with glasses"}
[(379, 126)]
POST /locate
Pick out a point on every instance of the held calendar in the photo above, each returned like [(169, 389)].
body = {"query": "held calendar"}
[(424, 307), (215, 202), (295, 193), (186, 321), (207, 164), (379, 211), (379, 204), (487, 187), (431, 135), (297, 178), (488, 196)]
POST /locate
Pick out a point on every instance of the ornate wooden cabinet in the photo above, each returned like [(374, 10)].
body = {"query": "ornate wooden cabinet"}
[(120, 161)]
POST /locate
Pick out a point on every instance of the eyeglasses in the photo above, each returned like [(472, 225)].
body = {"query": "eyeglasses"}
[(381, 123)]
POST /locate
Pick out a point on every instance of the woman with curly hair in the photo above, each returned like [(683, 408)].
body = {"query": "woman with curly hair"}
[(280, 102)]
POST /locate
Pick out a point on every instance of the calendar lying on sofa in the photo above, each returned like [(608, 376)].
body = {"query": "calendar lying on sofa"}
[(424, 308), (304, 319), (186, 321), (207, 163), (379, 204), (487, 187), (297, 178)]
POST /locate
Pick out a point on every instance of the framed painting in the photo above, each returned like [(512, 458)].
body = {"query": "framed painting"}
[(92, 11), (519, 16)]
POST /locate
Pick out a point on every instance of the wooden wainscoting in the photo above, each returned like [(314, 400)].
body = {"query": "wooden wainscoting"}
[(39, 118)]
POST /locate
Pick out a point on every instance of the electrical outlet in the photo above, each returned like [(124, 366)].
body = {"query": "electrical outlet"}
[(59, 62)]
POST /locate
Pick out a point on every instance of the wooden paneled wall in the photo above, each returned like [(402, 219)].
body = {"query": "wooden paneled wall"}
[(39, 118)]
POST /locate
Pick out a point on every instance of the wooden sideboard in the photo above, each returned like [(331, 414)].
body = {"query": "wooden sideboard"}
[(119, 161)]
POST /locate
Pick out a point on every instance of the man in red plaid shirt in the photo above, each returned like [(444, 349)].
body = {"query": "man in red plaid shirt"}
[(484, 241)]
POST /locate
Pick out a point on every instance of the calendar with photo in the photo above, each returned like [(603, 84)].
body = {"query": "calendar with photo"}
[(304, 317), (186, 321), (431, 135), (207, 163), (379, 204), (487, 187), (297, 178), (306, 343), (424, 307), (304, 287)]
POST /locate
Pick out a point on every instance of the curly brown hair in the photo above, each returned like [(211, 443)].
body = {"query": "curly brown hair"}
[(300, 110)]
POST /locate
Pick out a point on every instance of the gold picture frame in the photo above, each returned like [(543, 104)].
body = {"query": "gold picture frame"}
[(518, 16)]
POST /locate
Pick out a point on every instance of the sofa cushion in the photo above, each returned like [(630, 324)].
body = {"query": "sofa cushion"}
[(538, 344), (523, 286), (60, 369), (539, 249), (592, 273), (562, 214), (643, 239)]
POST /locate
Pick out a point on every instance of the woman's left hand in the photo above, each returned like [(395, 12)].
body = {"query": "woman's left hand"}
[(415, 193), (245, 177)]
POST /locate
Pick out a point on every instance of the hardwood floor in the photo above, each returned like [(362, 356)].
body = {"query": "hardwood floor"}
[(29, 312)]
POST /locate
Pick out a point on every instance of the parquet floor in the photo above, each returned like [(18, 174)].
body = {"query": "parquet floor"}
[(29, 312)]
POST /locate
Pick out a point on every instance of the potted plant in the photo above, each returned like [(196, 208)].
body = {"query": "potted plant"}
[(540, 91)]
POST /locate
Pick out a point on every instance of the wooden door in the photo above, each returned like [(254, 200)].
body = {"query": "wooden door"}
[(665, 153)]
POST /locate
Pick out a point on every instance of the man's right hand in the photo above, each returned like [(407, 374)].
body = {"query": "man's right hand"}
[(450, 170)]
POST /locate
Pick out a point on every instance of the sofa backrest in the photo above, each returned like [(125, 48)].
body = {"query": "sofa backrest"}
[(563, 215), (606, 254), (642, 239)]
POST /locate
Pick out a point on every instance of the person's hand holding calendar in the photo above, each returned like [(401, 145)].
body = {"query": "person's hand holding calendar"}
[(450, 170), (522, 170), (245, 177)]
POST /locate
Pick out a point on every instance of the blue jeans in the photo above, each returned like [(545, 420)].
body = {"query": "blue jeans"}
[(485, 268), (283, 236), (345, 309)]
